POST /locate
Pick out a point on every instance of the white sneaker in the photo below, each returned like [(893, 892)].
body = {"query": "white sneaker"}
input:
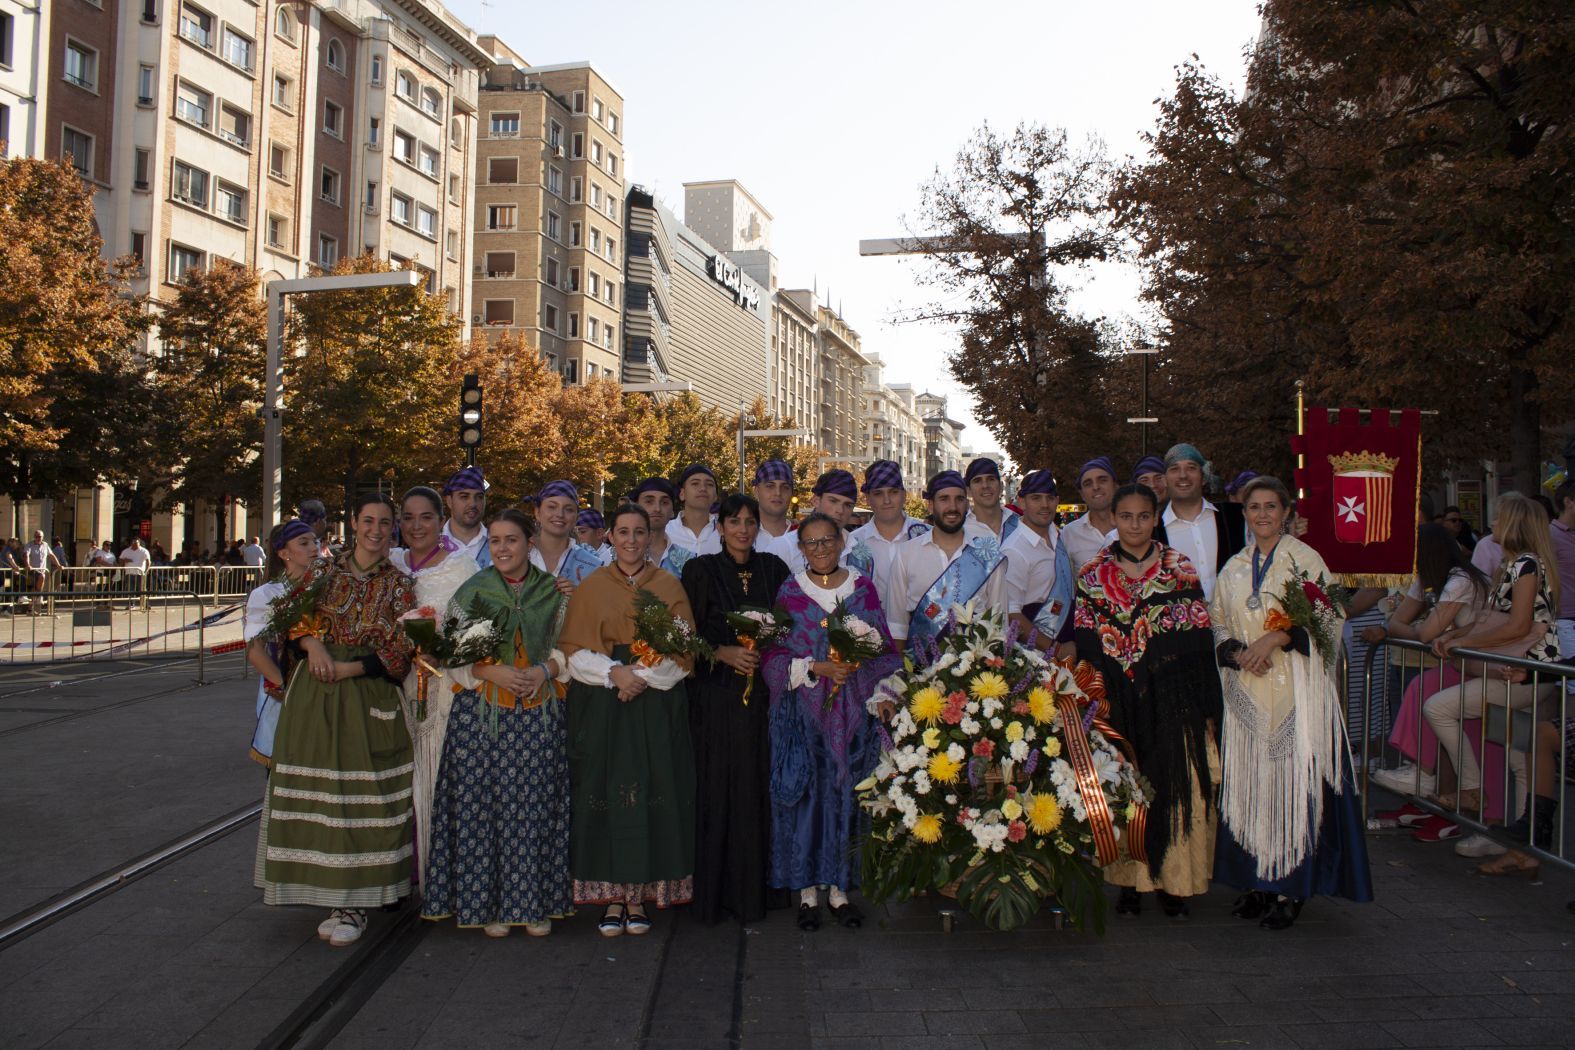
[(350, 929), (1479, 846), (326, 928), (495, 929), (539, 929), (1403, 781)]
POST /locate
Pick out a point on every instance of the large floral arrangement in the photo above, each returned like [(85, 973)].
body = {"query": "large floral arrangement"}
[(1000, 783)]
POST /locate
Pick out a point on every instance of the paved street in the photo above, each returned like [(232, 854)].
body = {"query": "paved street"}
[(187, 956)]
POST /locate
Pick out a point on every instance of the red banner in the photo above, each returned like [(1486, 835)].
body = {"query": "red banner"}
[(1360, 487)]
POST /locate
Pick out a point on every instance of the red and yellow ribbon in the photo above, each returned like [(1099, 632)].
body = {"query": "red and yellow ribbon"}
[(1080, 755)]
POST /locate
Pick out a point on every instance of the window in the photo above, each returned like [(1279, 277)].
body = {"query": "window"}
[(555, 137), (596, 153), (612, 293), (426, 222), (571, 371), (453, 188), (554, 226), (192, 104), (81, 66), (405, 86), (400, 209), (327, 250), (451, 244), (336, 56), (578, 144), (278, 231), (139, 250), (592, 329), (330, 185), (77, 147), (552, 272), (612, 164), (612, 250), (369, 199), (284, 24), (456, 133), (190, 185), (428, 162), (549, 317), (596, 196), (7, 37), (579, 102), (282, 93), (139, 170), (554, 182), (279, 161), (150, 11), (500, 217), (147, 81), (500, 264), (595, 285), (196, 25), (596, 239), (574, 278), (498, 311), (333, 119), (237, 49), (576, 189), (431, 102), (590, 370), (612, 207), (503, 170), (612, 122), (505, 125), (377, 69), (183, 260), (574, 326), (574, 234), (230, 202), (404, 146), (374, 128), (607, 337), (597, 111), (235, 125)]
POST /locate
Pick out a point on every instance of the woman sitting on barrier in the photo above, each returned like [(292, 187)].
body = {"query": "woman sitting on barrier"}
[(336, 824), (292, 548), (1520, 622)]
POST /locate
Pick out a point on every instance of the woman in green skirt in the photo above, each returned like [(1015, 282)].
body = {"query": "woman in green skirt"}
[(336, 824), (631, 763)]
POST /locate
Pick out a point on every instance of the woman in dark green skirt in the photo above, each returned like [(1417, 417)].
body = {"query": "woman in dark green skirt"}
[(631, 764), (336, 824)]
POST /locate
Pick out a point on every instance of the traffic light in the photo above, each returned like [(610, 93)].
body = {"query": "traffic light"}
[(470, 417)]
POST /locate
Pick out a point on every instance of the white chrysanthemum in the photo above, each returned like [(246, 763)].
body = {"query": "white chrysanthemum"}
[(921, 783), (969, 726), (1018, 750), (956, 753), (997, 724), (951, 800), (990, 708)]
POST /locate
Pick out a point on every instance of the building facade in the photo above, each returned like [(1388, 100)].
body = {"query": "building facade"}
[(942, 435), (794, 389), (549, 212), (891, 425), (840, 370), (24, 80)]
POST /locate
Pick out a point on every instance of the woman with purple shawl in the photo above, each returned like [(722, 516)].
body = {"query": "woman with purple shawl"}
[(823, 740)]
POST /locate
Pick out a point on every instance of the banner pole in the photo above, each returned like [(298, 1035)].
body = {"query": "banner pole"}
[(1301, 460)]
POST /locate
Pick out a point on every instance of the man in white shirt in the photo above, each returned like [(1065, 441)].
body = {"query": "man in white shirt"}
[(252, 554), (1206, 534), (984, 497), (695, 526), (1038, 571), (136, 560), (38, 559), (874, 544), (835, 495), (1096, 529), (918, 595), (773, 485), (465, 497)]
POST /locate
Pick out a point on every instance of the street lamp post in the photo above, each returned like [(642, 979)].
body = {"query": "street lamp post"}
[(273, 382), (1144, 419)]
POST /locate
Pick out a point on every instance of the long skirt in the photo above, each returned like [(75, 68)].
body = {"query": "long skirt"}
[(1335, 867), (426, 737), (814, 839), (1189, 860), (500, 817), (732, 805), (632, 781), (336, 824)]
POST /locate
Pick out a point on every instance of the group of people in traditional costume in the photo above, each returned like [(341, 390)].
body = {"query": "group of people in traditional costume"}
[(561, 771)]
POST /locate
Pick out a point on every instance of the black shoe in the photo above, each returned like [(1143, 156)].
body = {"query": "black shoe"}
[(809, 917), (848, 915), (1536, 826), (1251, 905), (1129, 903), (1282, 915), (1173, 906)]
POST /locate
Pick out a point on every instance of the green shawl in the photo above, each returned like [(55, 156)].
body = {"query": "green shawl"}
[(532, 615)]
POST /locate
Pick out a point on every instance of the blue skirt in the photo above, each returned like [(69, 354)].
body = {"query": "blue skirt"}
[(1336, 867)]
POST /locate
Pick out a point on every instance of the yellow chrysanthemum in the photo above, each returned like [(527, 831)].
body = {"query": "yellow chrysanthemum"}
[(932, 738), (1014, 732), (1044, 814), (943, 769), (1011, 809), (1052, 748), (987, 685), (927, 828), (1041, 705), (927, 705)]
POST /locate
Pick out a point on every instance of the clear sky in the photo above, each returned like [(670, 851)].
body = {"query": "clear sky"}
[(833, 114)]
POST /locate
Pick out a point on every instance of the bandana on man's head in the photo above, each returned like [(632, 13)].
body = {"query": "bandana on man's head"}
[(980, 468), (1238, 481), (468, 479), (946, 479), (1041, 481), (691, 470), (883, 474), (837, 483), (1148, 465), (292, 528), (313, 511), (590, 519), (661, 485), (1097, 463), (1183, 452), (773, 470)]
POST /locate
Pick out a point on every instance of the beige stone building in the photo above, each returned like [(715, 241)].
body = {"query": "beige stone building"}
[(795, 360), (549, 211), (891, 425), (942, 434), (841, 376)]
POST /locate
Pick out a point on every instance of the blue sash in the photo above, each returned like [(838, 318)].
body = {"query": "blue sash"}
[(579, 561), (861, 558), (675, 558), (1009, 523), (1057, 606), (956, 585)]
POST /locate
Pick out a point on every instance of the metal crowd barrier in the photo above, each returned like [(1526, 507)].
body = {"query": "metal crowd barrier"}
[(158, 584), (1499, 724), (73, 625)]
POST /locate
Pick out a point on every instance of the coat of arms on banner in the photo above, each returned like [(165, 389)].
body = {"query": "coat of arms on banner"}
[(1364, 491)]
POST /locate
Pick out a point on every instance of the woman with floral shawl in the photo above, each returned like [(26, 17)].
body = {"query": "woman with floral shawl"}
[(823, 740), (500, 810), (1142, 621)]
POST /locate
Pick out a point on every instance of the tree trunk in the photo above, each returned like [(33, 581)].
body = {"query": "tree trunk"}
[(1525, 431)]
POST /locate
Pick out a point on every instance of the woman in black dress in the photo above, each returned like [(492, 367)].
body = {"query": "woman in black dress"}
[(732, 755)]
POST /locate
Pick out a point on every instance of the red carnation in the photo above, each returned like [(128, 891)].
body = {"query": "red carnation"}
[(1016, 831), (984, 748)]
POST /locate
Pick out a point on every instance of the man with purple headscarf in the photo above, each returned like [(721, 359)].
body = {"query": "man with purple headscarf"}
[(465, 497), (835, 495), (983, 478), (1096, 529), (875, 542), (773, 485), (1150, 471)]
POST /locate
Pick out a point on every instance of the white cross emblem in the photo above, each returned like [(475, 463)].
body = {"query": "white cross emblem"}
[(1350, 509)]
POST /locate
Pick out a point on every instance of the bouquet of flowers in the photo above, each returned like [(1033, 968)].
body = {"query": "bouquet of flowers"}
[(468, 636), (852, 641), (1001, 783), (293, 609), (758, 628), (660, 635), (1316, 606)]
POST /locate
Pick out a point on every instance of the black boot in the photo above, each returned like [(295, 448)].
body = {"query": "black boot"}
[(1251, 905), (1536, 826), (1282, 915), (1174, 907), (1129, 903)]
